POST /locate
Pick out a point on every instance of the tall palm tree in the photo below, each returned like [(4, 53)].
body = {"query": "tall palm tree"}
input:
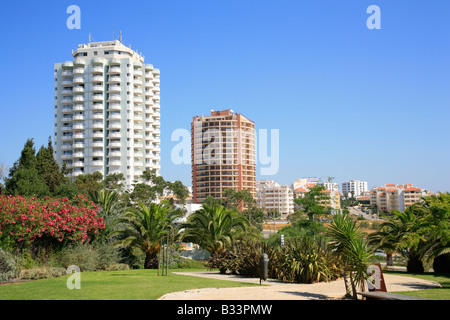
[(143, 228), (213, 227)]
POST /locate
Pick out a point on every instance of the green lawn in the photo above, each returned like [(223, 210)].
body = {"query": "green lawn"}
[(433, 294), (111, 285)]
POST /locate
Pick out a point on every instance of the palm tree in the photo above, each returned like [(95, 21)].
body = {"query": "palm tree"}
[(405, 233), (107, 200), (144, 227), (213, 227), (348, 242), (110, 208)]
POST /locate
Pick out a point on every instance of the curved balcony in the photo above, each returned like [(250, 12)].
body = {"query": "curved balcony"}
[(66, 92), (115, 163), (78, 80), (114, 88), (115, 106), (78, 98), (65, 101), (97, 106), (98, 61), (97, 163), (114, 79), (78, 89), (97, 88), (79, 62), (114, 116), (78, 70), (114, 98), (67, 73), (97, 69), (97, 125), (78, 107), (97, 97), (67, 83), (114, 70), (67, 64), (97, 79), (78, 146)]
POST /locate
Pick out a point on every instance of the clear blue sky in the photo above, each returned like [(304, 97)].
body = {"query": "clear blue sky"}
[(350, 102)]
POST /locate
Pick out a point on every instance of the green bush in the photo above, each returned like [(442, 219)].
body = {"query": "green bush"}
[(88, 257), (303, 260), (41, 273), (8, 266)]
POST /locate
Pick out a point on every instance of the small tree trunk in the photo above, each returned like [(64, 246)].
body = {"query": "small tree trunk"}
[(151, 261), (389, 259)]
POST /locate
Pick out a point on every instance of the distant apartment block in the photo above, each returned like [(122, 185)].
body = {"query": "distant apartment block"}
[(332, 186), (273, 196), (355, 188), (107, 112), (333, 201), (395, 197), (223, 154)]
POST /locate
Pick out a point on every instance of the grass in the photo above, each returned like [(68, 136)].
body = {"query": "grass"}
[(442, 293), (112, 285)]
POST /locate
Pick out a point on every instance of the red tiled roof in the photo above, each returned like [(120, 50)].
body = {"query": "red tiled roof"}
[(412, 189)]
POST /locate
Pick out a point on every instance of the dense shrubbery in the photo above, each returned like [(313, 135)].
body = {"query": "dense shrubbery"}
[(303, 260)]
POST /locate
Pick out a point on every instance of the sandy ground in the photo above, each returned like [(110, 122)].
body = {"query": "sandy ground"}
[(277, 290)]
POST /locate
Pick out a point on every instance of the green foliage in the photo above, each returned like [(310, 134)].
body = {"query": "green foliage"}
[(24, 178), (312, 203), (144, 229), (47, 167), (88, 257), (88, 183), (300, 228), (213, 228), (37, 273), (303, 260), (8, 265)]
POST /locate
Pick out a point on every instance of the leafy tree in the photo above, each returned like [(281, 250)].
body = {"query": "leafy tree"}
[(313, 202), (115, 182), (90, 182), (24, 178)]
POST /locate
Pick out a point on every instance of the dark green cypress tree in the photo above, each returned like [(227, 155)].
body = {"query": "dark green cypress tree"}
[(48, 168), (24, 178)]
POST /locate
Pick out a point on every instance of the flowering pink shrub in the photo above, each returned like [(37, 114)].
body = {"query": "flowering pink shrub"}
[(24, 219)]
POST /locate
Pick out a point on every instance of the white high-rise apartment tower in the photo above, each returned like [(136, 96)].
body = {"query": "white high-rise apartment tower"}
[(107, 112), (355, 187)]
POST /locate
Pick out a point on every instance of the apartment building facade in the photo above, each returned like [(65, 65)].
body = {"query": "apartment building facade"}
[(272, 196), (395, 197), (355, 188), (223, 154), (107, 112)]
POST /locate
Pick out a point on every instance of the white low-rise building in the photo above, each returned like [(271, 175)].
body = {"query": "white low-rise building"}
[(273, 196)]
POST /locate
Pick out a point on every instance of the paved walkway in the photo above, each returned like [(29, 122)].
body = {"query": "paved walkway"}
[(278, 290)]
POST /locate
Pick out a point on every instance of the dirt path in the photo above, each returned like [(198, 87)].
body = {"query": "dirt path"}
[(277, 290)]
